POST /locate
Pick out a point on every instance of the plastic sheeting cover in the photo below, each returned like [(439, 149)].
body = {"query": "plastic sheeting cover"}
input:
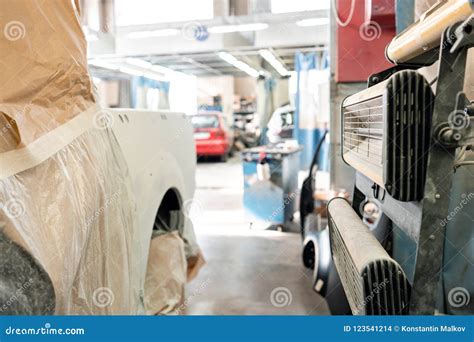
[(72, 213), (166, 274)]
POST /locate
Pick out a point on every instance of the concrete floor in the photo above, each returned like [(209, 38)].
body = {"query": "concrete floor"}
[(248, 271)]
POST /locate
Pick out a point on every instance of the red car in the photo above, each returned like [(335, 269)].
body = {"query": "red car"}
[(212, 135)]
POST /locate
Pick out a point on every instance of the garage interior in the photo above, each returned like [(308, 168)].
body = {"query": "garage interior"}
[(245, 261), (324, 147)]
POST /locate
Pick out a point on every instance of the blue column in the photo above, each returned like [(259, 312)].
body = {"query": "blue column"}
[(308, 137), (405, 14)]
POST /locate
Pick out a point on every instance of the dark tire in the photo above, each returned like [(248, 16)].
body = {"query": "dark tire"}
[(224, 157), (24, 284), (335, 296)]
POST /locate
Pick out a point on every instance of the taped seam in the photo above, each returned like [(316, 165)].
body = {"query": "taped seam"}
[(16, 161)]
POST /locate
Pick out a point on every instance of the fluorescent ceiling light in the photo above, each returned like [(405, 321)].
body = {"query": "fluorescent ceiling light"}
[(313, 22), (162, 69), (154, 76), (149, 73), (138, 67), (238, 28), (131, 71), (155, 72), (101, 64), (238, 64), (150, 67), (139, 63), (274, 62), (155, 33)]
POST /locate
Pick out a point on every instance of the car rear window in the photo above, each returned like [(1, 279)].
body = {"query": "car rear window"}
[(205, 121)]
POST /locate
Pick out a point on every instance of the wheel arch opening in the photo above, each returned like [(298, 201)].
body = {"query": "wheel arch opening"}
[(169, 216)]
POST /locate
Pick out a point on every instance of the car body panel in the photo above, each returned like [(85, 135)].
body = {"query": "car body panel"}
[(159, 150)]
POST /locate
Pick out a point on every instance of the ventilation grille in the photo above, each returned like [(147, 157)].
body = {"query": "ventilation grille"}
[(363, 131), (409, 110), (347, 272), (386, 289), (386, 133), (374, 283)]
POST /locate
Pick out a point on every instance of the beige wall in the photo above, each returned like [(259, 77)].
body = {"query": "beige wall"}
[(217, 85), (245, 86)]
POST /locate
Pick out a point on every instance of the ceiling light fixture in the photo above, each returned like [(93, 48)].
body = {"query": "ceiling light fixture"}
[(155, 72), (136, 67), (238, 64), (154, 76), (151, 34), (139, 63), (131, 71), (274, 62), (238, 28), (162, 70), (313, 22), (102, 64)]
